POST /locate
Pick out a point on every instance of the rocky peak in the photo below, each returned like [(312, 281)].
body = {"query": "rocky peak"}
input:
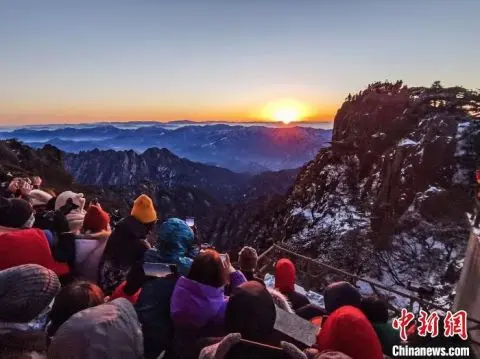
[(388, 198)]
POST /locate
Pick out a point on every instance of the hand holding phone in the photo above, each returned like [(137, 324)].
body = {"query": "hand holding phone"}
[(190, 221), (227, 265)]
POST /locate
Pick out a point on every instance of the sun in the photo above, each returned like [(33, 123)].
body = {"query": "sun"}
[(286, 115), (286, 111)]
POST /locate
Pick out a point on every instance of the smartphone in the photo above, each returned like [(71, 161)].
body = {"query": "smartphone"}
[(190, 221), (159, 270), (94, 201)]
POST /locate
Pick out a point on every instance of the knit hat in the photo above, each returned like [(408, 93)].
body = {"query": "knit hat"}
[(96, 219), (109, 330), (248, 259), (143, 210), (76, 216), (14, 212), (285, 276), (339, 294), (25, 291), (347, 330), (251, 312), (77, 198), (39, 197)]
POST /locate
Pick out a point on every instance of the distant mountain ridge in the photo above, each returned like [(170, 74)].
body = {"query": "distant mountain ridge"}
[(178, 187), (163, 168), (251, 149)]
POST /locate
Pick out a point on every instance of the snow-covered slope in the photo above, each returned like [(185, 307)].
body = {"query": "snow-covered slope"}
[(388, 198)]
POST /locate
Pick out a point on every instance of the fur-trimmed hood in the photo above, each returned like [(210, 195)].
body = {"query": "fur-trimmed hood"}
[(281, 300)]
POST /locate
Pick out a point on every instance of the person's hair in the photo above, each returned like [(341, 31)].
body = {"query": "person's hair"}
[(375, 309), (72, 299), (207, 268)]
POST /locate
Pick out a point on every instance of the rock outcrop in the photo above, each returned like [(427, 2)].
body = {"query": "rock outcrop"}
[(388, 198)]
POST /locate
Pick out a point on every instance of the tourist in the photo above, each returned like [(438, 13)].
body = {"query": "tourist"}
[(198, 301), (90, 243), (376, 310), (285, 277), (72, 299), (109, 330), (250, 315), (247, 260), (127, 244), (76, 215), (339, 294), (26, 295), (20, 244), (348, 330)]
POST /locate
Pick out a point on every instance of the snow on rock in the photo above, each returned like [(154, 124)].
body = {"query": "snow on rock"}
[(407, 142)]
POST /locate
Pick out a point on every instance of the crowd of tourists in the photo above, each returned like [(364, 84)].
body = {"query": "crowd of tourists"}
[(71, 286)]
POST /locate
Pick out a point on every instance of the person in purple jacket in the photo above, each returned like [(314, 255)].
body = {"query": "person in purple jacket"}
[(198, 302)]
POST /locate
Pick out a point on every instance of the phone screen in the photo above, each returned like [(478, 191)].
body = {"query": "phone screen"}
[(190, 221), (158, 270)]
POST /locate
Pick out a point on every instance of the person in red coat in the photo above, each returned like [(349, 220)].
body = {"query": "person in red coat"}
[(348, 330), (21, 244)]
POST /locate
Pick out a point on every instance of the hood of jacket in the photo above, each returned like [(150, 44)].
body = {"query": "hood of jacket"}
[(281, 300), (110, 330), (195, 305), (174, 245)]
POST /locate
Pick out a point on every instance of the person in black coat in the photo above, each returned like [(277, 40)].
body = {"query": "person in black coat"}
[(254, 337), (127, 244)]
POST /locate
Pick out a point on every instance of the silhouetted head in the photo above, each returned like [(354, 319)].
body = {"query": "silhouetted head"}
[(251, 312), (339, 294), (207, 268), (375, 309), (72, 299)]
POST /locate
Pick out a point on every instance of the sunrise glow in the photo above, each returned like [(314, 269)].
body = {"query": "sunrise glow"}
[(286, 111)]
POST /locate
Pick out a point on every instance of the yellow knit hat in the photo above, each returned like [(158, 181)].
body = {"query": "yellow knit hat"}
[(143, 209)]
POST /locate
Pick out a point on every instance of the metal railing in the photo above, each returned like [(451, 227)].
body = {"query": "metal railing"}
[(268, 258)]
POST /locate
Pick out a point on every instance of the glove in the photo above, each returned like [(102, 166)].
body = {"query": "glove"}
[(220, 350), (292, 351)]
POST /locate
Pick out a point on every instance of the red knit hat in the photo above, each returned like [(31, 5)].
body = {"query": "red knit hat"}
[(285, 276), (96, 219), (348, 330)]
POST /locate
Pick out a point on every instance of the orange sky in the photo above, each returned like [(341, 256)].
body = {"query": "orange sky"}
[(35, 113)]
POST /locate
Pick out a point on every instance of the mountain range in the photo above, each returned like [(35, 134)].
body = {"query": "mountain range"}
[(385, 200), (240, 148)]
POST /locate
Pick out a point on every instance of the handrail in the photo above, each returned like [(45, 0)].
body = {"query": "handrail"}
[(357, 277)]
